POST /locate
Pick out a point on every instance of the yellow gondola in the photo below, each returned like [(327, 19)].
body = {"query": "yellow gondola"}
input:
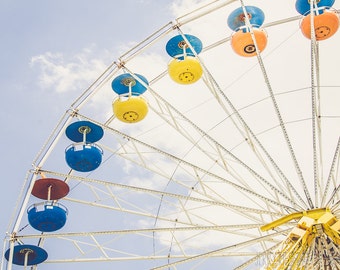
[(185, 71), (130, 110)]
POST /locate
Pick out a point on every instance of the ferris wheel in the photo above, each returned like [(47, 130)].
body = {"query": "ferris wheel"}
[(212, 144)]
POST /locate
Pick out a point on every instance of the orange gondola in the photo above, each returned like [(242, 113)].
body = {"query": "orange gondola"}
[(325, 25), (243, 44)]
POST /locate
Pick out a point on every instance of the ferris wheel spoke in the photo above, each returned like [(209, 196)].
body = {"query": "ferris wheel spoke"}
[(316, 116), (251, 138), (245, 131), (264, 255), (87, 244), (195, 198), (227, 228), (278, 113), (187, 165), (221, 250), (172, 120), (331, 176), (204, 173)]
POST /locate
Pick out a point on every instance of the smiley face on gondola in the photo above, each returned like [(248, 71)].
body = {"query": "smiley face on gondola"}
[(249, 48), (322, 32), (130, 116), (186, 77)]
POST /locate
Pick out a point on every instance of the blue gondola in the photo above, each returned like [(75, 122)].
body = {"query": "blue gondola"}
[(236, 19), (75, 132), (123, 83), (47, 216), (303, 6), (176, 46), (27, 255), (83, 157)]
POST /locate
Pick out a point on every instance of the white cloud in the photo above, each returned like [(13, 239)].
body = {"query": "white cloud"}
[(67, 73), (180, 7)]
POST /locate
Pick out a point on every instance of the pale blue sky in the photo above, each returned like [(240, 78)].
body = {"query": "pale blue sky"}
[(31, 28)]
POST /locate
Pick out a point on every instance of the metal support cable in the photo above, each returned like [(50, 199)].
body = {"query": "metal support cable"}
[(278, 113), (313, 96), (186, 163), (216, 143), (253, 136), (218, 251), (335, 158)]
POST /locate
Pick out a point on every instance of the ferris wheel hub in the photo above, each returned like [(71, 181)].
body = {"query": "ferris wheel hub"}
[(315, 226)]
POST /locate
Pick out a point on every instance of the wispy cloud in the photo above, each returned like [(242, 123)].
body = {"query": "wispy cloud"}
[(180, 7), (67, 73)]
